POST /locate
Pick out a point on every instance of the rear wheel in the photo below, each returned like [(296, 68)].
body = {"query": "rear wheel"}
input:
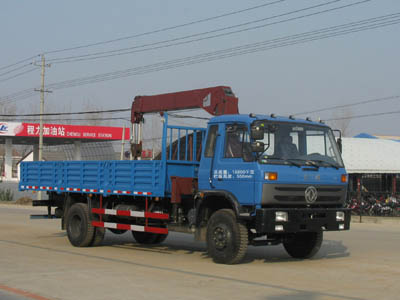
[(80, 230), (149, 238), (303, 244), (227, 238), (98, 236), (99, 233)]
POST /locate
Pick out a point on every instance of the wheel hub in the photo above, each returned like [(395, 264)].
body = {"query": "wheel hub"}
[(220, 238)]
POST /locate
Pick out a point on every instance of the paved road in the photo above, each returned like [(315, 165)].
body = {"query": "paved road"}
[(35, 256), (11, 296)]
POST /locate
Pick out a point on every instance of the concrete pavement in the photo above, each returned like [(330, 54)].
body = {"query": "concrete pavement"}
[(36, 256)]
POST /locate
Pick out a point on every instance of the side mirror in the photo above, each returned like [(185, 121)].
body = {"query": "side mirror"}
[(257, 132), (257, 147)]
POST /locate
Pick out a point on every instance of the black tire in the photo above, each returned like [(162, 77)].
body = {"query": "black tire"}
[(303, 244), (99, 233), (117, 231), (148, 238), (227, 239), (98, 236), (80, 230)]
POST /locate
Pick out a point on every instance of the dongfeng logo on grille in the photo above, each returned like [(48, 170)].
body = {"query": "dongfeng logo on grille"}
[(311, 194)]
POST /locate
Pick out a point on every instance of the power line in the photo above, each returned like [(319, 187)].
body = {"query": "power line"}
[(210, 56), (19, 98), (327, 32), (175, 116), (18, 62), (186, 117), (69, 119), (70, 113), (365, 116), (166, 28), (141, 34), (189, 60), (23, 94), (124, 51), (147, 33), (17, 75), (16, 69), (349, 105), (193, 60), (31, 94), (19, 116)]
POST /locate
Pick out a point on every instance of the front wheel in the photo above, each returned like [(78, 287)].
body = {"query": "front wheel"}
[(303, 244), (227, 238)]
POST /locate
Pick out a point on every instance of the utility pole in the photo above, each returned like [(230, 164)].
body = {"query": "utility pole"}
[(123, 143), (42, 91)]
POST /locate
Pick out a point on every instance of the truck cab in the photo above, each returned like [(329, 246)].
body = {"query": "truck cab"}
[(293, 152), (281, 176)]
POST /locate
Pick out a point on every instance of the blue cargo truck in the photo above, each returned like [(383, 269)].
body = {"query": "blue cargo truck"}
[(244, 180)]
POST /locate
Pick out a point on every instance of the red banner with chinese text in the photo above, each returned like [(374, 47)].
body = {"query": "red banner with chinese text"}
[(72, 131)]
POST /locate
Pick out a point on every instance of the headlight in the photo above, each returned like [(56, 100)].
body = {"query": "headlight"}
[(340, 216), (281, 216)]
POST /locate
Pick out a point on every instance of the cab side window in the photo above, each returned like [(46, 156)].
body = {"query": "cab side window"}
[(237, 141)]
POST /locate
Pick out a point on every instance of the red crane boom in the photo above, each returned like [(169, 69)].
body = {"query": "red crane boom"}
[(218, 100)]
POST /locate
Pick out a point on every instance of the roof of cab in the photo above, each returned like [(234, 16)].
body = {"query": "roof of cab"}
[(248, 119)]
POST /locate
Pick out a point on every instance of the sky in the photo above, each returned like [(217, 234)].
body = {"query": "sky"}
[(285, 80)]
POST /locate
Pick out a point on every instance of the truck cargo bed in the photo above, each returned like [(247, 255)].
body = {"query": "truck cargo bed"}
[(102, 177)]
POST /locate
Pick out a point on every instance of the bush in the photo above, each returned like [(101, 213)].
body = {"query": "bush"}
[(24, 201), (6, 195)]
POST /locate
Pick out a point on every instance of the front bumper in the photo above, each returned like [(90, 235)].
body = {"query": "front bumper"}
[(302, 219)]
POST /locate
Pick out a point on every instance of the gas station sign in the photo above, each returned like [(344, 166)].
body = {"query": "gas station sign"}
[(23, 129)]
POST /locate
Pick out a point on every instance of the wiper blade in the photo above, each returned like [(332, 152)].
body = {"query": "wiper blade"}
[(328, 163), (293, 163), (313, 163), (287, 160)]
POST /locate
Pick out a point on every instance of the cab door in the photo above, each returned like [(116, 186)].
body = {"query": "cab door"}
[(208, 158), (234, 168)]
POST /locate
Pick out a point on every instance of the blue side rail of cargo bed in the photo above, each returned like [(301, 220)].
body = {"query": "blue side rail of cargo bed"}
[(101, 177), (138, 177)]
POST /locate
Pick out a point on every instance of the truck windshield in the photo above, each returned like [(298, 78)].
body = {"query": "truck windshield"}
[(300, 144)]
